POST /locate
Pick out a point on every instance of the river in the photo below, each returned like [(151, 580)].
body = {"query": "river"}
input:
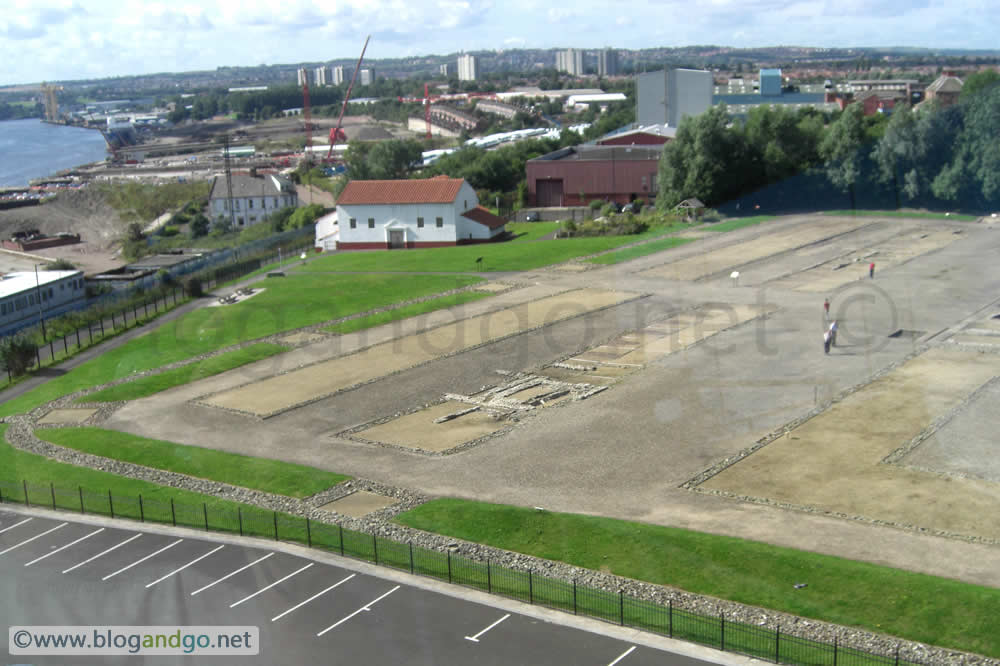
[(33, 149)]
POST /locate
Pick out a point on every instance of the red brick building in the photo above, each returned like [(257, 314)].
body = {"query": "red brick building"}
[(578, 175)]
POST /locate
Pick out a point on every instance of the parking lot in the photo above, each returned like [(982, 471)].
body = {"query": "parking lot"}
[(58, 570)]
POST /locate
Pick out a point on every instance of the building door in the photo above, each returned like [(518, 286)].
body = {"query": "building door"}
[(550, 193), (396, 239)]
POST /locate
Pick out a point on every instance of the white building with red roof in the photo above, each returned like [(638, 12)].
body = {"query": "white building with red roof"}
[(433, 212)]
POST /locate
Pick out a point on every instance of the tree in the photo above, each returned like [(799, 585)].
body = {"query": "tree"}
[(304, 216), (972, 177), (60, 265), (221, 226), (841, 148), (198, 226), (17, 354), (979, 83)]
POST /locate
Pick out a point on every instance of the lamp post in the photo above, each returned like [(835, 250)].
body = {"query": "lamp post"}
[(38, 301)]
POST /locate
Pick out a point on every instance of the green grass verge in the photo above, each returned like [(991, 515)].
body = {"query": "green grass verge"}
[(71, 483), (287, 303), (738, 223), (642, 250), (192, 372), (406, 311), (918, 215), (529, 231), (510, 256), (915, 606), (272, 476)]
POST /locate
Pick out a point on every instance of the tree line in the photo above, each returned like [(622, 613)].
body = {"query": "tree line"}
[(935, 157)]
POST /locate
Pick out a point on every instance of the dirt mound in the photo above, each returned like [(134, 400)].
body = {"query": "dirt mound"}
[(84, 212)]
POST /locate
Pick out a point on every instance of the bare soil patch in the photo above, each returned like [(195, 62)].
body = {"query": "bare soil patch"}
[(359, 504)]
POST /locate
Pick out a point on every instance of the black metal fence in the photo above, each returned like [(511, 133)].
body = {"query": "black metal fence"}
[(527, 586), (57, 342)]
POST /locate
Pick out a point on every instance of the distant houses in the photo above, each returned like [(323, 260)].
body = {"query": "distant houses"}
[(397, 214)]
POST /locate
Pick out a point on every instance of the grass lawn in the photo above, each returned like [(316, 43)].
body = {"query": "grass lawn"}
[(902, 213), (737, 223), (924, 608), (287, 303), (406, 311), (192, 372), (529, 231), (642, 250), (271, 476), (71, 482), (509, 256)]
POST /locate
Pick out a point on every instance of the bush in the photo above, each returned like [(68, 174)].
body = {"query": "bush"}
[(193, 287), (60, 265), (198, 226), (595, 205), (167, 231), (609, 209), (17, 354)]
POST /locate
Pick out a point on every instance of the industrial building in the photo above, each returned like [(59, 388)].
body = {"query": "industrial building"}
[(945, 89), (366, 76), (468, 67), (254, 197), (337, 73), (570, 61), (397, 214), (320, 76), (666, 96), (27, 297), (607, 62), (581, 102), (577, 175), (770, 82), (496, 108), (649, 135), (303, 76)]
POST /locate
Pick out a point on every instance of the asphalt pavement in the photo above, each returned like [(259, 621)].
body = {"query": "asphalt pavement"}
[(62, 570)]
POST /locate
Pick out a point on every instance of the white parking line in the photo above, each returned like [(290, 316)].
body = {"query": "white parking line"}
[(77, 566), (167, 547), (37, 536), (366, 607), (194, 561), (26, 520), (315, 596), (622, 656), (475, 639), (265, 589), (230, 575), (72, 543)]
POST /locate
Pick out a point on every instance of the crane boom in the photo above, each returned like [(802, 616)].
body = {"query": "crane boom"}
[(336, 132)]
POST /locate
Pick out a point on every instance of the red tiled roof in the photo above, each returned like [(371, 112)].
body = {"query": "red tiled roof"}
[(484, 217), (429, 190)]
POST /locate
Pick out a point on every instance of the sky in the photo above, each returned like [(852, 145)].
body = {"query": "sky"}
[(42, 40)]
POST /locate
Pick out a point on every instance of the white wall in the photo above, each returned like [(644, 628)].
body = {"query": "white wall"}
[(253, 210), (405, 216), (58, 296)]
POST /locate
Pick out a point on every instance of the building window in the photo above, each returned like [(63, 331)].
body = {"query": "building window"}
[(420, 223), (236, 204), (240, 221), (250, 203), (354, 223), (225, 204), (52, 292), (31, 299), (371, 222), (275, 202), (439, 222)]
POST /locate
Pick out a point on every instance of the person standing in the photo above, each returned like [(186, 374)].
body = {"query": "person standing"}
[(826, 342), (871, 271), (826, 309), (833, 333)]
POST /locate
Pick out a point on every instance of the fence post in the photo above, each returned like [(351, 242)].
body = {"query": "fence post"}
[(145, 308), (102, 327), (142, 514), (411, 557), (777, 647), (375, 547), (1, 494), (90, 331), (489, 577), (204, 510), (135, 312), (239, 517), (309, 538), (24, 482), (111, 504), (78, 344), (275, 525), (173, 514), (52, 351), (834, 651), (897, 654), (65, 346), (341, 539), (574, 596), (113, 325), (449, 566), (722, 632), (621, 607), (38, 357), (670, 617), (531, 589)]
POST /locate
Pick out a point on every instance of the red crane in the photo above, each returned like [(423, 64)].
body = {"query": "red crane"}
[(337, 134)]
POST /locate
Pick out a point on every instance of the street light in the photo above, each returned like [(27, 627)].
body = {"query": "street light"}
[(38, 300)]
